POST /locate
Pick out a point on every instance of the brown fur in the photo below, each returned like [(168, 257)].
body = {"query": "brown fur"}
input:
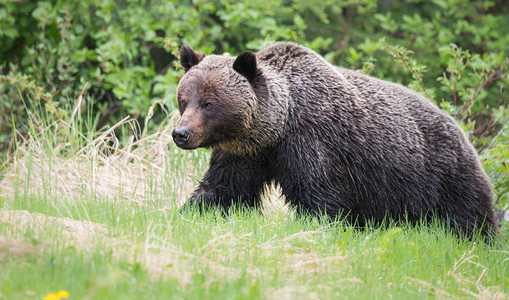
[(337, 142)]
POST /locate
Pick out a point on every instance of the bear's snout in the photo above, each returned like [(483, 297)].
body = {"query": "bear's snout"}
[(181, 136)]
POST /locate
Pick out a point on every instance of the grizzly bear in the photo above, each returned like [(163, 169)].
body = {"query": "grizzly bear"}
[(337, 142)]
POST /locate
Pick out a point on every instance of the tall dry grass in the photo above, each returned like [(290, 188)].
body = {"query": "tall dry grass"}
[(58, 159)]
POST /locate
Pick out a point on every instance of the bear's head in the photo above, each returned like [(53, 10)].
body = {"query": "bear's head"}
[(217, 99)]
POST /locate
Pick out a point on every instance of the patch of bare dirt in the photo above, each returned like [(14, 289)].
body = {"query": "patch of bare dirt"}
[(79, 233), (15, 247)]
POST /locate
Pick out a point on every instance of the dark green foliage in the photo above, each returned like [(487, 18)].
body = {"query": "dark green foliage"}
[(453, 52)]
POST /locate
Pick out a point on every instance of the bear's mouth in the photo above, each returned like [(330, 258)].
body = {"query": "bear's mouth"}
[(186, 145), (190, 140)]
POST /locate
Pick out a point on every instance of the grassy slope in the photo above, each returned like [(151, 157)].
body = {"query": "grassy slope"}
[(80, 215)]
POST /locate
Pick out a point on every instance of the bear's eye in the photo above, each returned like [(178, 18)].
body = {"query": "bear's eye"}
[(207, 105), (183, 104)]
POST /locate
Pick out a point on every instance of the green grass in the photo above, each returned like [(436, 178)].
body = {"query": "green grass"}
[(160, 254), (103, 223)]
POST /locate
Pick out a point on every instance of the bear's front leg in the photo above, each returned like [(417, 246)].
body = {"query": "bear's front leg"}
[(231, 180)]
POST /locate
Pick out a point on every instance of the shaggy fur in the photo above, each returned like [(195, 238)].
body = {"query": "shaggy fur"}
[(337, 142)]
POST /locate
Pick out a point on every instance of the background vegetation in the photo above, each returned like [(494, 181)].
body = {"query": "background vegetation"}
[(90, 181)]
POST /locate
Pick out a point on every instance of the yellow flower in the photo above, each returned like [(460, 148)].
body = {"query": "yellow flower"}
[(63, 294), (51, 296), (58, 296)]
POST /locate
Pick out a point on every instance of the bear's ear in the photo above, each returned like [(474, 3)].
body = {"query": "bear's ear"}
[(245, 64), (189, 58)]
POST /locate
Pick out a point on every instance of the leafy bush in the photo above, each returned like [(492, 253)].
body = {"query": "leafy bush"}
[(122, 55)]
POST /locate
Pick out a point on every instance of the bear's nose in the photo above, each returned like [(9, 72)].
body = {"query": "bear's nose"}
[(180, 136)]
